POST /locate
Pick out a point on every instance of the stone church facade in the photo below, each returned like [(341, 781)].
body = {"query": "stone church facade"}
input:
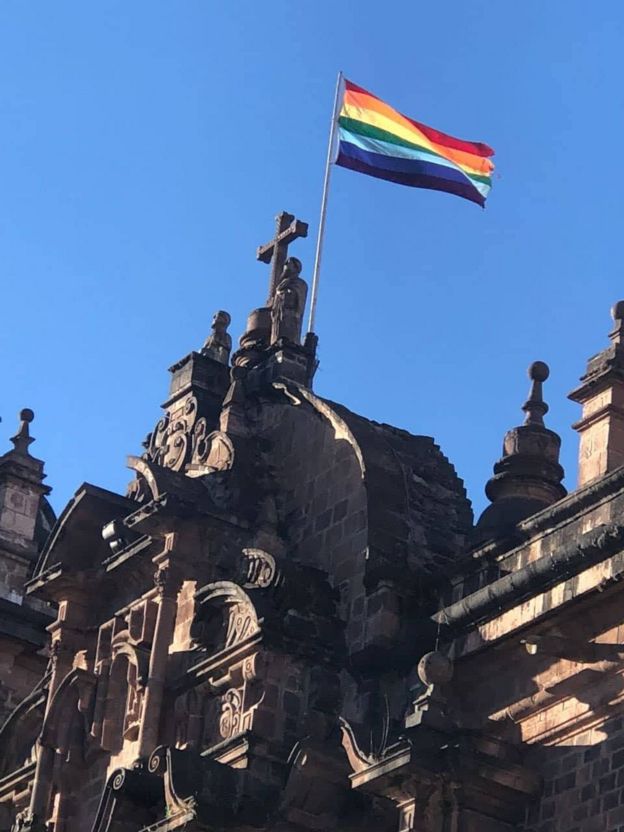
[(291, 621)]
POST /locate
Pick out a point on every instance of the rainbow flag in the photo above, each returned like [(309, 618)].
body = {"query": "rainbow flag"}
[(378, 140)]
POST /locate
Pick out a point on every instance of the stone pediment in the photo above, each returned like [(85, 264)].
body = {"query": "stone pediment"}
[(76, 540)]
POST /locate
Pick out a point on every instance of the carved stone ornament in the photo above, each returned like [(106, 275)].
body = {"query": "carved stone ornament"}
[(134, 705), (238, 706), (163, 580), (211, 451), (27, 822), (231, 714), (242, 623), (183, 443), (170, 444), (259, 570), (225, 617), (125, 683)]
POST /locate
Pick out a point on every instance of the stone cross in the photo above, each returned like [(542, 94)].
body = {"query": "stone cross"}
[(287, 229)]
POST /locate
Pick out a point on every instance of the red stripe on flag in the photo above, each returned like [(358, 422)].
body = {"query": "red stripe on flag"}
[(478, 148)]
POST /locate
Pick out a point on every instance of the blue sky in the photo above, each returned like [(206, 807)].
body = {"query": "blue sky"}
[(145, 148)]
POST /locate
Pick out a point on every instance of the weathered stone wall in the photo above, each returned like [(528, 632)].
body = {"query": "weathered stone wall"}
[(19, 503), (14, 571), (583, 784), (321, 501), (19, 673), (561, 706)]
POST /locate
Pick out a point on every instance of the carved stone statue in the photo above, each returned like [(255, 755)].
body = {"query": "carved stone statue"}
[(289, 303), (219, 343)]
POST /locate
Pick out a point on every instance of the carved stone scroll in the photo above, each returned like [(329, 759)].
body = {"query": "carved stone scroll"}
[(211, 451), (230, 723), (260, 570), (225, 617), (170, 443)]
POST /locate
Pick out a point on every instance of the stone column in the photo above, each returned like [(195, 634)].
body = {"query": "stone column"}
[(21, 491), (168, 583), (601, 394)]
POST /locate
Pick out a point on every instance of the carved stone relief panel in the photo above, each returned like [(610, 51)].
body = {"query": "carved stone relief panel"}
[(134, 703), (182, 441), (228, 633), (239, 704), (124, 700), (122, 663)]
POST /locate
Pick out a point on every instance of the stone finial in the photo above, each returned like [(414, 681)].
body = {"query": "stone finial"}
[(535, 407), (218, 344), (22, 438), (601, 394), (617, 313), (430, 707), (528, 476)]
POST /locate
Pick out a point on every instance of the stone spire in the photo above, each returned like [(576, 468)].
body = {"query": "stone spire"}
[(601, 394), (528, 476), (21, 494)]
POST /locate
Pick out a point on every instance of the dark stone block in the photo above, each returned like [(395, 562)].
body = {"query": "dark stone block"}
[(292, 703), (548, 810), (580, 812), (570, 762), (323, 521), (592, 753), (568, 781), (610, 801), (617, 760), (587, 792), (340, 510), (607, 783)]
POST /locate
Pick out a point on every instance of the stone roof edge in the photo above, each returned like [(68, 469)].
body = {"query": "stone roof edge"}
[(341, 428), (86, 490), (548, 519), (489, 602), (21, 622)]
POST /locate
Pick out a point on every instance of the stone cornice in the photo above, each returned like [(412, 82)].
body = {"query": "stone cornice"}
[(594, 546)]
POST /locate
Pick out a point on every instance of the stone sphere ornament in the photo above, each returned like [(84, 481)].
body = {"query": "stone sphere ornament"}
[(539, 371), (435, 669), (617, 311)]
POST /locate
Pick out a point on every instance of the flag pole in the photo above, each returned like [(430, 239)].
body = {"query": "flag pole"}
[(321, 231)]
